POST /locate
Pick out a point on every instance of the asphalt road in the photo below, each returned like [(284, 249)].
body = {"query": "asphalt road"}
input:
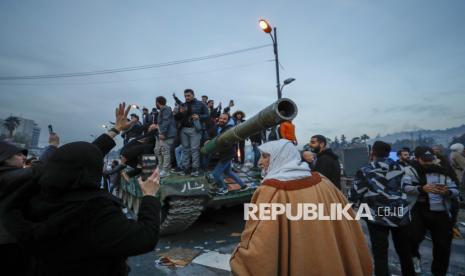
[(215, 234)]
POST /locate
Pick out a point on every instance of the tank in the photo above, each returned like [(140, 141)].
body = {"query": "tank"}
[(184, 198)]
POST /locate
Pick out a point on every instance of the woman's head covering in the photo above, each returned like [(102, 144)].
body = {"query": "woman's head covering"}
[(457, 147), (285, 162), (74, 166)]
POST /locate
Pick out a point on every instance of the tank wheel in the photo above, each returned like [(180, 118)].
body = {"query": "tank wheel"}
[(178, 214)]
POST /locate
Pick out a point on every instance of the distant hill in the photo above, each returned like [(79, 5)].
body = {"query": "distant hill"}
[(443, 137)]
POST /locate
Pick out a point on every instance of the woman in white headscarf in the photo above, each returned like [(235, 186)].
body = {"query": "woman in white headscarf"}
[(298, 247)]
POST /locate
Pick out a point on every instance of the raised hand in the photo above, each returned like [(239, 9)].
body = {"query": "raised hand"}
[(151, 185), (53, 139), (121, 115)]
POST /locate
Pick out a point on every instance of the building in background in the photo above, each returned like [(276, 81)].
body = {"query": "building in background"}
[(26, 133)]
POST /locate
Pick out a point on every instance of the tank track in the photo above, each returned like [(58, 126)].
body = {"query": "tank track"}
[(181, 214)]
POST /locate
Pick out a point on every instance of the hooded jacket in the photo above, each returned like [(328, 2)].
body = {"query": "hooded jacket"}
[(12, 180), (416, 176), (74, 228)]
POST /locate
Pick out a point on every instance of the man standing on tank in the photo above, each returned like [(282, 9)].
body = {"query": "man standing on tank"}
[(192, 115), (223, 167)]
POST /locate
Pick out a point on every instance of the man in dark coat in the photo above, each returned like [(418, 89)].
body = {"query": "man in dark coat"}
[(327, 162), (73, 227), (12, 176)]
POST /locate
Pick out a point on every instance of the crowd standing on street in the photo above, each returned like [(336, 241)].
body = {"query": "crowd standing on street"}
[(59, 218)]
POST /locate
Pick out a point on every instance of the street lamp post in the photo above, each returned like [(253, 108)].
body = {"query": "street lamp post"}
[(286, 82), (266, 27)]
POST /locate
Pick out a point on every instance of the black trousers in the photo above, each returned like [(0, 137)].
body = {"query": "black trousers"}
[(379, 236), (440, 226)]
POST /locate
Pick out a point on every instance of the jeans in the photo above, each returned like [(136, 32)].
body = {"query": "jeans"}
[(204, 161), (379, 237), (440, 226), (162, 151), (256, 154), (224, 167), (190, 139), (178, 153)]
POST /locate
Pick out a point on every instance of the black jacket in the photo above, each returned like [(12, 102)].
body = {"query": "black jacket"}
[(327, 163), (95, 240), (74, 228), (12, 181), (193, 107)]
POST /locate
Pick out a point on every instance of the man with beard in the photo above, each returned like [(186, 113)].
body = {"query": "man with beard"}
[(434, 189), (298, 247), (225, 159), (404, 157), (327, 162), (192, 114)]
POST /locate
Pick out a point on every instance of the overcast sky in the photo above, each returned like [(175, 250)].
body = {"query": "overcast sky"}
[(360, 66)]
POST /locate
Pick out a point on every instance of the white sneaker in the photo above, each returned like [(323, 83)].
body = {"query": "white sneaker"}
[(416, 264)]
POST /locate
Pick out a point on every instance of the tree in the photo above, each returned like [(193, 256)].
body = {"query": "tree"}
[(356, 141), (364, 138), (11, 123), (343, 140)]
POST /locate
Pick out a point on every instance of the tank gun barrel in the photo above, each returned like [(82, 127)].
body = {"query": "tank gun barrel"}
[(282, 110)]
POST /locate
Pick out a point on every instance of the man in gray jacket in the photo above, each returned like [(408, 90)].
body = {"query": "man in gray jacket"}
[(166, 134)]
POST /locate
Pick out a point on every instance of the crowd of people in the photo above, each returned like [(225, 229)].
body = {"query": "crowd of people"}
[(57, 220), (177, 134), (409, 197)]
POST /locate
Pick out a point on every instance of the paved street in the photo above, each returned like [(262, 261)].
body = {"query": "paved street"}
[(214, 236)]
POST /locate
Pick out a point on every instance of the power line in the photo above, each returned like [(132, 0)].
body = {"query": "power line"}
[(133, 68), (138, 79)]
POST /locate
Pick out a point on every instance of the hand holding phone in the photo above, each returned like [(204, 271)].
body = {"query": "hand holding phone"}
[(149, 164), (150, 186)]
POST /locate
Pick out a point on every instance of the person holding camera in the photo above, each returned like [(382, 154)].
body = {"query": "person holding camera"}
[(192, 115), (70, 225)]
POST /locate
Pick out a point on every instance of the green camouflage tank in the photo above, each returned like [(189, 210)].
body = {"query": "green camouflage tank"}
[(184, 198)]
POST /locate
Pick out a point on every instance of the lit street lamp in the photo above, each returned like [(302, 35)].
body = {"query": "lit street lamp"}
[(266, 27)]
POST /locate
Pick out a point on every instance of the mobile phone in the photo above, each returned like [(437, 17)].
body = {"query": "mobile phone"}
[(50, 129), (231, 102), (149, 164)]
